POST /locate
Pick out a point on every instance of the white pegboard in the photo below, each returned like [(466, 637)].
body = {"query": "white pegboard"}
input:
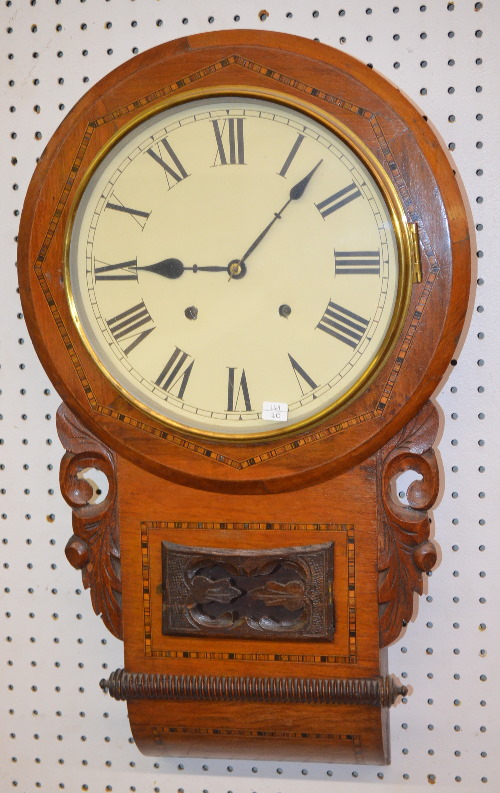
[(58, 731)]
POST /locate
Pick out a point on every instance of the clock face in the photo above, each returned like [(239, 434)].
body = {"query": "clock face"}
[(235, 266)]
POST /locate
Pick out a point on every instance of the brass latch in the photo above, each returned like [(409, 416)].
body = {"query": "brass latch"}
[(415, 253)]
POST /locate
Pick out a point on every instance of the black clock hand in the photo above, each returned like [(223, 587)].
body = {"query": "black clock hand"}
[(296, 192), (174, 268)]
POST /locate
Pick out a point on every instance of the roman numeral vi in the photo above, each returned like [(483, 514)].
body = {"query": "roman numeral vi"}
[(236, 390)]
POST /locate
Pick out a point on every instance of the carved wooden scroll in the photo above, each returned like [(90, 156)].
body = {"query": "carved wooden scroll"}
[(405, 551), (273, 593), (94, 547)]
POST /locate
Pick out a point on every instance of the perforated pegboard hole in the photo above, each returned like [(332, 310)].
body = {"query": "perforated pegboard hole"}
[(99, 483), (404, 482)]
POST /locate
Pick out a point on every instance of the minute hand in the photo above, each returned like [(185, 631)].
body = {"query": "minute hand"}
[(296, 192)]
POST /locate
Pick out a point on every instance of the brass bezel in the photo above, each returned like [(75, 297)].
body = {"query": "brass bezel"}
[(403, 232)]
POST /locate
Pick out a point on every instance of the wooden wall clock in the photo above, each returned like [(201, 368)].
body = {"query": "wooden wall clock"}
[(244, 263)]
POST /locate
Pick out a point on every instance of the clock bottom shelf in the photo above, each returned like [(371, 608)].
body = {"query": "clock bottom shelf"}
[(313, 732)]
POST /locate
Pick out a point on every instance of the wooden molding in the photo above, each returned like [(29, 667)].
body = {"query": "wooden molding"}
[(405, 551), (94, 547), (381, 691)]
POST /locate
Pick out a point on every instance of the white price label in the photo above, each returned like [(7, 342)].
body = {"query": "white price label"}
[(275, 411)]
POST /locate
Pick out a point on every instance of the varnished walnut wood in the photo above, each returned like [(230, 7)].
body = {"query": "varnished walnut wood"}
[(94, 548), (406, 148), (281, 593), (77, 552), (405, 551), (331, 483), (379, 691), (342, 511)]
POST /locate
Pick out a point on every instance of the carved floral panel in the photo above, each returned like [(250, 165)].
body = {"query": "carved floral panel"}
[(285, 592)]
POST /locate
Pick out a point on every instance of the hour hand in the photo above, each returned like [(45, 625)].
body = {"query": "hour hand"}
[(174, 268)]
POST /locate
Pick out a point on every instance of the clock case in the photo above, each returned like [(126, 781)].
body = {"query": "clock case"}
[(255, 583)]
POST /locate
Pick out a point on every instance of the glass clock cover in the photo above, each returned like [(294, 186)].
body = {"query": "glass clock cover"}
[(235, 265)]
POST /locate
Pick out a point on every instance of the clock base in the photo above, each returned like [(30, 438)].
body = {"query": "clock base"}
[(261, 718), (253, 625), (314, 733)]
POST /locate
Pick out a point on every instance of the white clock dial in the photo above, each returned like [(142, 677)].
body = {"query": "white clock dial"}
[(231, 251)]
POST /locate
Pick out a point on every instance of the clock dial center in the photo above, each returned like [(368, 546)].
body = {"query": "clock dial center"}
[(236, 269)]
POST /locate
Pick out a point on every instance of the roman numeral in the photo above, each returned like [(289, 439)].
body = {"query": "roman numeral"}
[(172, 374), (230, 143), (301, 375), (235, 391), (290, 158), (128, 324), (138, 215), (122, 271), (338, 200), (344, 325), (178, 173), (357, 262)]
